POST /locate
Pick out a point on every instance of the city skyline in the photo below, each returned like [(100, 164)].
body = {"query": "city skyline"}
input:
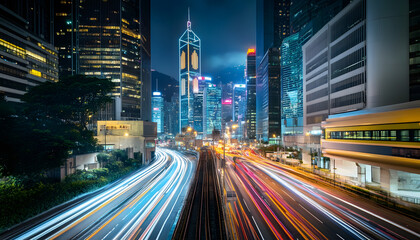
[(253, 119)]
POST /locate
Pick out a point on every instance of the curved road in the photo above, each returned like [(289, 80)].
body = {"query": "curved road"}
[(145, 205)]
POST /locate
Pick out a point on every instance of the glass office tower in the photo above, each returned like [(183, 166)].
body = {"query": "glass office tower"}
[(212, 109), (157, 111), (189, 68), (251, 104), (273, 22), (291, 86), (239, 108), (28, 57), (109, 39), (199, 84)]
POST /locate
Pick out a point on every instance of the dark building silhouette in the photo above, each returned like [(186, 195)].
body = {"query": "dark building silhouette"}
[(273, 20)]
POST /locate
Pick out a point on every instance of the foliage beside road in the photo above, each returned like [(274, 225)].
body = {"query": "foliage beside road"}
[(22, 198), (50, 124)]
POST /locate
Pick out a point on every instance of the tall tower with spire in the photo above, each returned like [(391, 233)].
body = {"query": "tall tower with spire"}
[(189, 68)]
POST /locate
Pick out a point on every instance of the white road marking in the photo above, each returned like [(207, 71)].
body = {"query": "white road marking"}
[(310, 213), (288, 195), (257, 227), (340, 236), (247, 206)]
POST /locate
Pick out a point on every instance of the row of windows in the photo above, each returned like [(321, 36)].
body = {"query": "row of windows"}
[(316, 119), (349, 63), (316, 63), (318, 94), (317, 73), (411, 135), (347, 100), (13, 84), (317, 107), (12, 71), (348, 42), (12, 49), (316, 46), (348, 83), (321, 81), (348, 21)]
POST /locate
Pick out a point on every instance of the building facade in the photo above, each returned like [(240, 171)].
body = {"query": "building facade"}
[(269, 96), (199, 84), (360, 96), (212, 110), (251, 94), (334, 67), (109, 39), (291, 86), (28, 57), (189, 68), (158, 111), (273, 20), (239, 109), (414, 28)]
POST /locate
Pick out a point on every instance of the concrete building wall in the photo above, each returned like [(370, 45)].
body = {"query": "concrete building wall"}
[(387, 55)]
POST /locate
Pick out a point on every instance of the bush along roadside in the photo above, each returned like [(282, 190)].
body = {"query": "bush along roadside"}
[(21, 199)]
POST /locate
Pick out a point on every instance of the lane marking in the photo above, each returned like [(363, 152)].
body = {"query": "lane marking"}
[(257, 227), (310, 213), (246, 205), (339, 236), (288, 195)]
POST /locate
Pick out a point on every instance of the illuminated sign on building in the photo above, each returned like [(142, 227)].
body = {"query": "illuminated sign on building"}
[(250, 51), (204, 78), (156, 94), (240, 85), (227, 101)]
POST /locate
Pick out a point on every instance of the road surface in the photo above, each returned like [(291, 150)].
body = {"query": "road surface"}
[(268, 202), (145, 205)]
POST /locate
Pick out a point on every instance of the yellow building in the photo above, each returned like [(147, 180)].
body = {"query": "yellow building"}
[(377, 146)]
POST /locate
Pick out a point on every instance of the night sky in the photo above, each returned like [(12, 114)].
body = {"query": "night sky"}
[(226, 29)]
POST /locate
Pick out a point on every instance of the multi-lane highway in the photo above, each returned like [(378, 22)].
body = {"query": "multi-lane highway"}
[(268, 202), (145, 205)]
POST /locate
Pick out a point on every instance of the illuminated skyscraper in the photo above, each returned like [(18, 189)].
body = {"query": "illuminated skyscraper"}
[(239, 108), (189, 68), (291, 86), (251, 105), (157, 111), (199, 84), (28, 57), (109, 39), (273, 22), (212, 109)]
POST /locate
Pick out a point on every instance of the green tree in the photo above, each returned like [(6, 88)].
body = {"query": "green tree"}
[(52, 124), (103, 158), (73, 99)]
